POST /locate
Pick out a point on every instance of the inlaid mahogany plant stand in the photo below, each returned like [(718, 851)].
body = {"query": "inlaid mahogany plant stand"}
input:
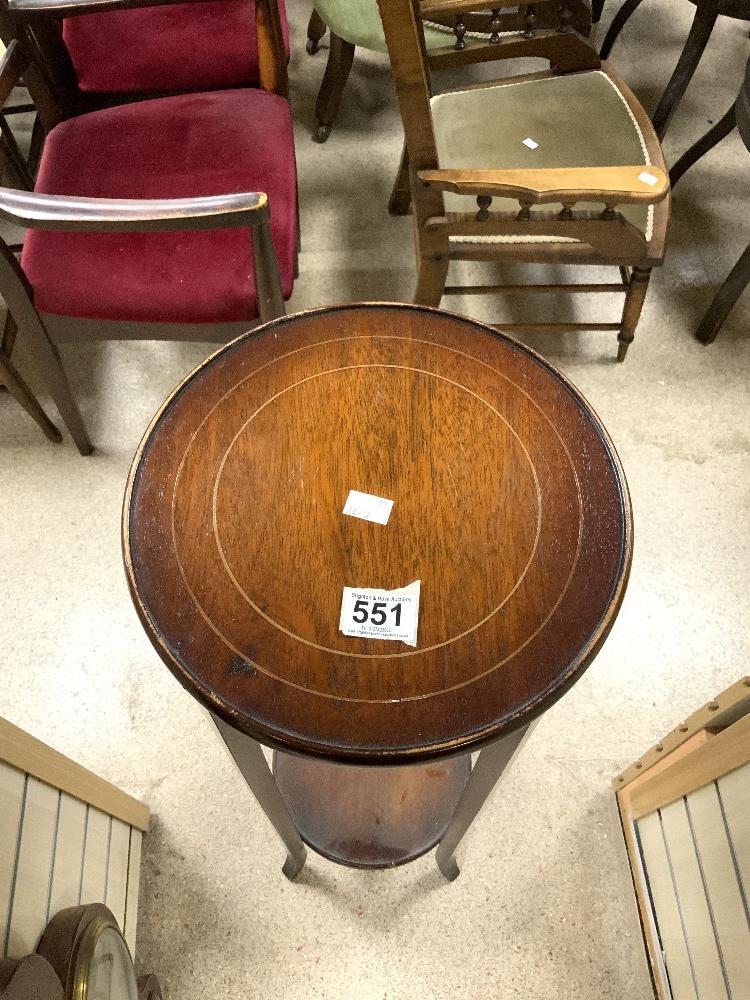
[(510, 507)]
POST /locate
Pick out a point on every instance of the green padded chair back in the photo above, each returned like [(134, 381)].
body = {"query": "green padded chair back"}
[(358, 22)]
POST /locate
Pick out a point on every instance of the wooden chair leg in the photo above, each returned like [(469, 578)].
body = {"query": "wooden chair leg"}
[(431, 276), (622, 17), (56, 380), (340, 58), (700, 32), (400, 200), (596, 10), (17, 387), (13, 158), (316, 28), (725, 299), (36, 145), (636, 295), (267, 281), (712, 138)]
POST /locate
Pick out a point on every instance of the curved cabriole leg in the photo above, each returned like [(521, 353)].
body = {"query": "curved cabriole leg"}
[(249, 758), (485, 774), (712, 138), (340, 58), (631, 313), (703, 24), (725, 299), (622, 17), (316, 28), (400, 199)]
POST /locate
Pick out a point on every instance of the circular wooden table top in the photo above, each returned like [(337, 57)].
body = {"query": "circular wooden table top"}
[(510, 506)]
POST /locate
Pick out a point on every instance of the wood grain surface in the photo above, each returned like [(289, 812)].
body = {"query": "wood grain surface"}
[(510, 507)]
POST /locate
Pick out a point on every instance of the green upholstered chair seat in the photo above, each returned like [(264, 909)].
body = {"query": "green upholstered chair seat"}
[(578, 120)]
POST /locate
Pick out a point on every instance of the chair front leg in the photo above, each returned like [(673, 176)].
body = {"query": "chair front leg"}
[(16, 386), (338, 67), (636, 296), (622, 17), (712, 138), (316, 28), (706, 14), (596, 10), (725, 298)]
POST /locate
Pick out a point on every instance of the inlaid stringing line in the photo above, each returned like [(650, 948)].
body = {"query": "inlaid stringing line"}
[(338, 652), (300, 687)]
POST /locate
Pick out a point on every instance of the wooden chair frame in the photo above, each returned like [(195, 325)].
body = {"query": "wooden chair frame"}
[(96, 215), (602, 237), (489, 23)]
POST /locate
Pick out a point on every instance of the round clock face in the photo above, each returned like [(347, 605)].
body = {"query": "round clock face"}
[(110, 974)]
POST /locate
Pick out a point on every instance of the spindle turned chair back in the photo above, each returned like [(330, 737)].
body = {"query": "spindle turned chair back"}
[(610, 206), (70, 213)]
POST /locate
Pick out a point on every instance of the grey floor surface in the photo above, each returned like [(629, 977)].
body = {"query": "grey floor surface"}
[(543, 908)]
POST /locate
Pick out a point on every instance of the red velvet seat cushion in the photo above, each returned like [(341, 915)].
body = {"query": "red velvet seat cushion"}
[(193, 46), (171, 147)]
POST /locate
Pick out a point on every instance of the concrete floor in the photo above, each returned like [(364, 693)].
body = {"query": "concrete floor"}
[(544, 906)]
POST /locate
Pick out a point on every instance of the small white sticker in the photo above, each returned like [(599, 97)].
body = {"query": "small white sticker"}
[(381, 614), (368, 507), (648, 178), (531, 144)]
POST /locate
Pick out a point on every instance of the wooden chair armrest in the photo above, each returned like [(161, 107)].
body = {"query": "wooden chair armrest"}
[(67, 8), (611, 185), (33, 210)]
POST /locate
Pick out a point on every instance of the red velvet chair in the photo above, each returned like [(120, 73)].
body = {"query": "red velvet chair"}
[(156, 49), (140, 214)]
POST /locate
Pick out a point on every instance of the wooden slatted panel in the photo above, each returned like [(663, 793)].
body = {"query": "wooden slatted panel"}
[(68, 862), (95, 857), (30, 895), (734, 791), (134, 876), (723, 891), (666, 907), (117, 870), (694, 906), (12, 792)]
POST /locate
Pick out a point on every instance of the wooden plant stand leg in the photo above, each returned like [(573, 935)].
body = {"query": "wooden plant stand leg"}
[(712, 138), (12, 380), (249, 758), (340, 58), (400, 199), (316, 28), (622, 17), (485, 774), (725, 299), (706, 14), (631, 313)]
